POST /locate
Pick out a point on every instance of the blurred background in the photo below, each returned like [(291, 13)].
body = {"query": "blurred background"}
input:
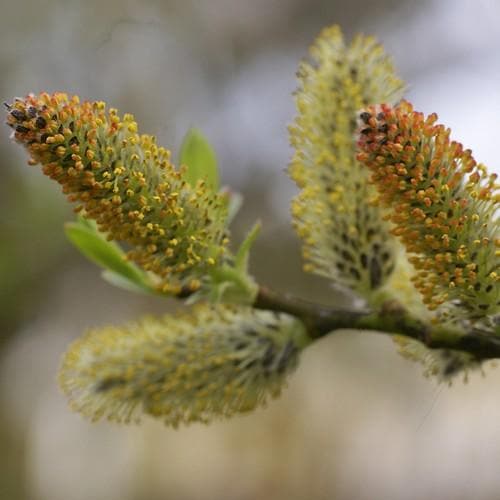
[(357, 422)]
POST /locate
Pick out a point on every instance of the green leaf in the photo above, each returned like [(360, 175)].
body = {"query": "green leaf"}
[(243, 253), (234, 201), (88, 223), (232, 285), (121, 281), (107, 254), (199, 157)]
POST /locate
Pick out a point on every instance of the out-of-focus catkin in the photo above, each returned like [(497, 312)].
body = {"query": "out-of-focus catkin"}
[(344, 236), (211, 363)]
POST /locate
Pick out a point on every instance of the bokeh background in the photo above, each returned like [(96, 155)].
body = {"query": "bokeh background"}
[(357, 422)]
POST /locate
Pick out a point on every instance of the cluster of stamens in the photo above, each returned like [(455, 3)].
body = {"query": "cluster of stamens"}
[(212, 363), (344, 237), (442, 206), (126, 183)]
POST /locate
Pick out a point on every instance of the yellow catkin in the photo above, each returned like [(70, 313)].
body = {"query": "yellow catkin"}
[(343, 234), (442, 204), (125, 182), (214, 362), (441, 364)]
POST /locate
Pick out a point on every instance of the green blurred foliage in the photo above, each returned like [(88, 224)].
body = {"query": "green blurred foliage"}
[(31, 247)]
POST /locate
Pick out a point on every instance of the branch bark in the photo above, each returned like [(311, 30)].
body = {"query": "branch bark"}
[(391, 319)]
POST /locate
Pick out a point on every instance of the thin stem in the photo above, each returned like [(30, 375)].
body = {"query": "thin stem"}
[(392, 318), (319, 319)]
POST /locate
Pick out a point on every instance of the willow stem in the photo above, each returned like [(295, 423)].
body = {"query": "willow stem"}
[(319, 319), (390, 319)]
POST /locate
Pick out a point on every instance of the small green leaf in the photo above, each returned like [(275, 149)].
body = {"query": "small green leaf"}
[(243, 253), (232, 285), (107, 254), (121, 281), (88, 223), (234, 201), (199, 157)]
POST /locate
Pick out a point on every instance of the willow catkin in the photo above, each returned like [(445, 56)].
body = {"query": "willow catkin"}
[(213, 362), (126, 183)]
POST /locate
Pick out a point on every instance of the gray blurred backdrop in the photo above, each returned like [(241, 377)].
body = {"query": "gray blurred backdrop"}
[(357, 422)]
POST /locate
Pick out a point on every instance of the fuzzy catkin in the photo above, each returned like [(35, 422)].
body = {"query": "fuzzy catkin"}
[(442, 204), (214, 362), (344, 236), (126, 183)]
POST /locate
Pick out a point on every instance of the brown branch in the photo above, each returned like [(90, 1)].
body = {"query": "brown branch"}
[(392, 318), (319, 319)]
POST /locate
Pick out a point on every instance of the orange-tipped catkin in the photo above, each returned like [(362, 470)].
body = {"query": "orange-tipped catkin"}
[(125, 182), (442, 205)]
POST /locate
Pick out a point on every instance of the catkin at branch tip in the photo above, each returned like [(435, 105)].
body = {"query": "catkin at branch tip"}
[(344, 237), (126, 182)]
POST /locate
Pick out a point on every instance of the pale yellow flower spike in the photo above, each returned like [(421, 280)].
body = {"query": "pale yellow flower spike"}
[(212, 362), (343, 234)]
